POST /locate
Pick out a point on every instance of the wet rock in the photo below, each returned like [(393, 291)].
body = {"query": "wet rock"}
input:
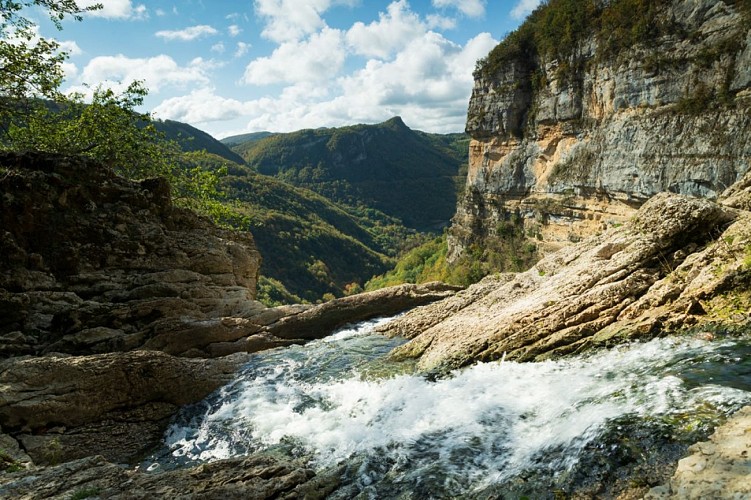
[(118, 404), (252, 477), (718, 468), (319, 321)]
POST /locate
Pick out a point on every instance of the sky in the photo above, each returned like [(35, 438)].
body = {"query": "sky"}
[(231, 67)]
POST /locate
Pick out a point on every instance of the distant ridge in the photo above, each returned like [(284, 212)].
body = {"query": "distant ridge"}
[(241, 138), (403, 173), (193, 139)]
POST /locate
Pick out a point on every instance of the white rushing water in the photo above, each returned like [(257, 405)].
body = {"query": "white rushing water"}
[(483, 424)]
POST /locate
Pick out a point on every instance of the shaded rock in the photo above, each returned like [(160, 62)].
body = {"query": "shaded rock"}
[(117, 404), (252, 477), (319, 321), (95, 263), (637, 280), (718, 468)]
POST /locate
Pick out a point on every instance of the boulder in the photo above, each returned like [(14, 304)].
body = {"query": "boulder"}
[(118, 404)]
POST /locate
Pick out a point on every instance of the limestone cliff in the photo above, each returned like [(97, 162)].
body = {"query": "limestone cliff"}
[(574, 138)]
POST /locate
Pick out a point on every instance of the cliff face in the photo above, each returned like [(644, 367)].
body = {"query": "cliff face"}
[(95, 263), (575, 143)]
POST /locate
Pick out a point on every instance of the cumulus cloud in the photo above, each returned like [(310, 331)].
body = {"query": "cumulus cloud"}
[(289, 20), (234, 30), (470, 8), (70, 47), (218, 48), (200, 106), (524, 7), (116, 9), (317, 58), (428, 83), (187, 34), (394, 29), (157, 72)]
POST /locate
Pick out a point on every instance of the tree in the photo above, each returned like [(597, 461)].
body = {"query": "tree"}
[(30, 66), (36, 116)]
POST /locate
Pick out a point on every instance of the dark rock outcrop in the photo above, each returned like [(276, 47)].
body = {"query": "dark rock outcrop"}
[(117, 404), (94, 263), (241, 478)]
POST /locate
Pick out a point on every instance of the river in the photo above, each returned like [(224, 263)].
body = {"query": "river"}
[(493, 428)]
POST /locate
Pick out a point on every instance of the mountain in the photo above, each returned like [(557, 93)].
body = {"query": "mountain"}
[(192, 139), (234, 140), (309, 244), (403, 173), (591, 108)]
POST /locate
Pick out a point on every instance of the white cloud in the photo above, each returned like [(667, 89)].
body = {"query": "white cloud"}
[(470, 8), (200, 106), (289, 20), (187, 34), (70, 70), (318, 58), (242, 49), (70, 47), (440, 22), (234, 30), (116, 9), (218, 48), (524, 7), (157, 72), (428, 84), (393, 30), (160, 12)]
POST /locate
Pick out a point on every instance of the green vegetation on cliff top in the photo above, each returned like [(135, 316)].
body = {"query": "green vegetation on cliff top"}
[(557, 29)]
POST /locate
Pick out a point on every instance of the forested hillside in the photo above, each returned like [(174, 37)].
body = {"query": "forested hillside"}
[(405, 174)]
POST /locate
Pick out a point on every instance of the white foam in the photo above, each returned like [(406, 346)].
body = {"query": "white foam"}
[(488, 421)]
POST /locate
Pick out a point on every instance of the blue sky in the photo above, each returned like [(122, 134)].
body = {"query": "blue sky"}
[(229, 67)]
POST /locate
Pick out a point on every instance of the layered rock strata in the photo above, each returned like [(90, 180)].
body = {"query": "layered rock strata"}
[(573, 145), (679, 262)]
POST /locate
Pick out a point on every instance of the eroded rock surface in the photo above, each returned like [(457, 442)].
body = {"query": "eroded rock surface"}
[(93, 263), (241, 478), (670, 267), (718, 468)]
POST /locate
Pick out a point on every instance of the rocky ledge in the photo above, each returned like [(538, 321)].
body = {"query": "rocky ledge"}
[(678, 263)]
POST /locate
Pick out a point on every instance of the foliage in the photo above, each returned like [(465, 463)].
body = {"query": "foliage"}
[(507, 250), (85, 493), (8, 463), (272, 293), (192, 139), (558, 28), (406, 175), (30, 66), (108, 130), (310, 245)]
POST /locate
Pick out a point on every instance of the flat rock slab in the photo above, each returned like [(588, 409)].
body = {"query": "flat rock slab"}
[(718, 468)]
